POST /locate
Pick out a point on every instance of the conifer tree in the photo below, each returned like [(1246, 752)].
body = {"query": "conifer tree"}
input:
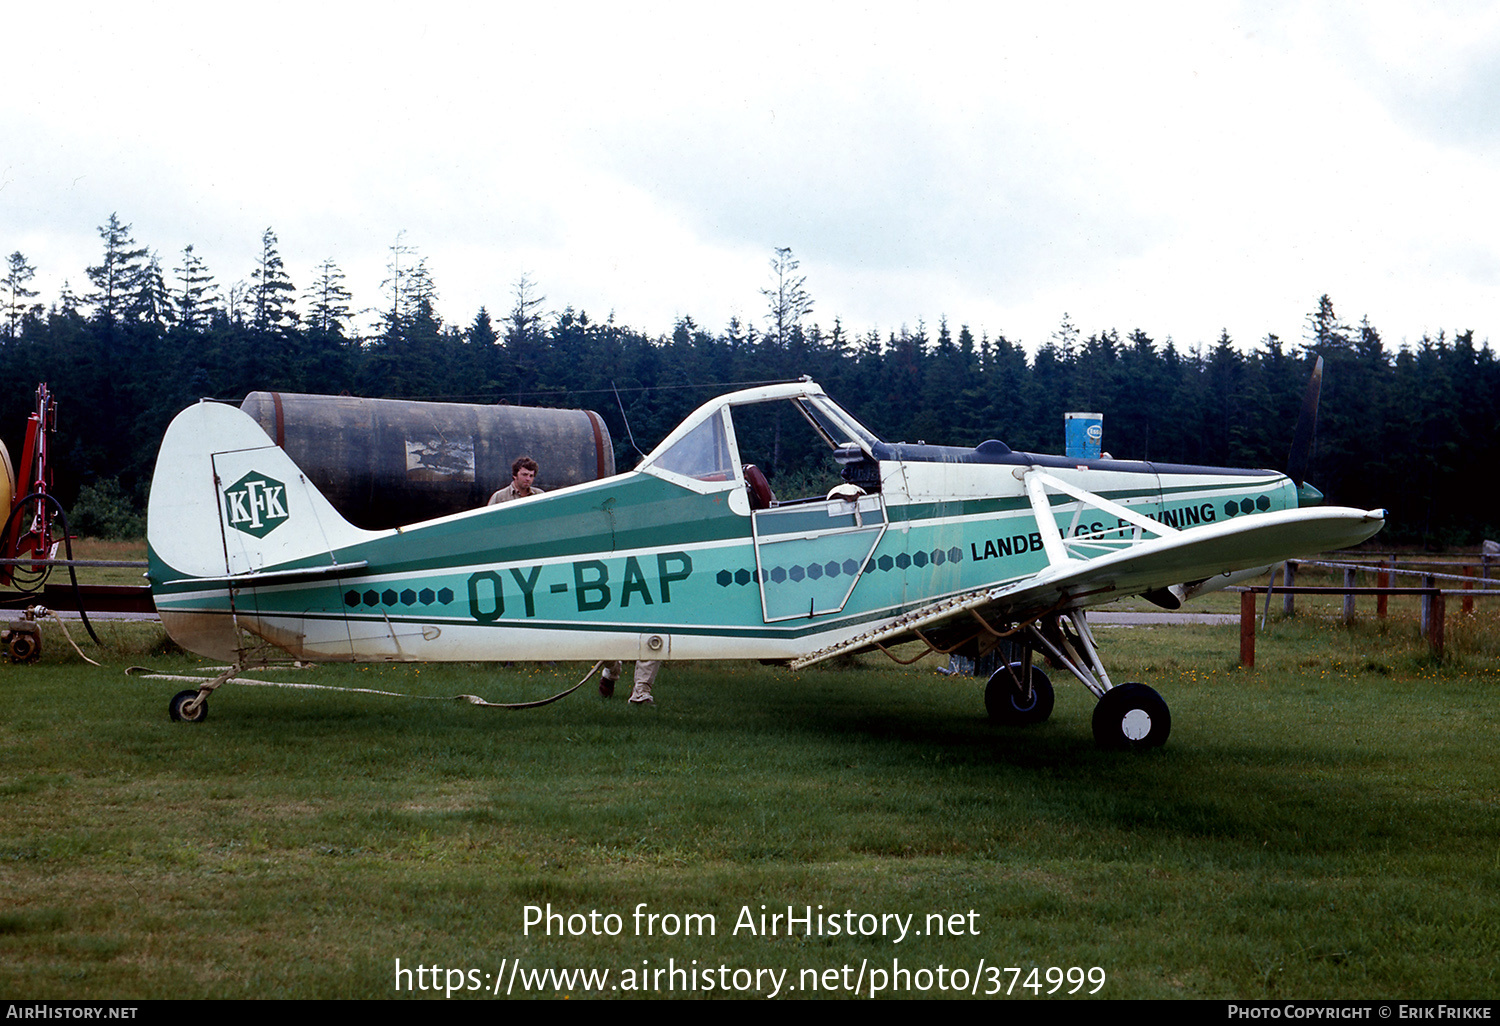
[(399, 269), (68, 302), (117, 277), (787, 300), (524, 335), (17, 273), (150, 302), (323, 361), (196, 291), (329, 302), (482, 331), (271, 291), (420, 300)]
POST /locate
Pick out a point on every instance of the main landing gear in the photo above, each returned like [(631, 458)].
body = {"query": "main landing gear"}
[(1018, 695), (1128, 715), (1131, 716)]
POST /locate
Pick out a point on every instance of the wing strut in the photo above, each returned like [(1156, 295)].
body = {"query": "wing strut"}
[(1060, 550)]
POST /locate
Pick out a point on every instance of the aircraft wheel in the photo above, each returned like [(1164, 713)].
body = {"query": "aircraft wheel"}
[(24, 648), (1006, 706), (180, 715), (1131, 716)]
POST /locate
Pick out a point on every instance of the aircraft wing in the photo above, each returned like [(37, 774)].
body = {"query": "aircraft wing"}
[(1191, 555)]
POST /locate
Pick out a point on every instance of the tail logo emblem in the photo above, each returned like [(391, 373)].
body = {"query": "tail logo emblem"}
[(255, 504)]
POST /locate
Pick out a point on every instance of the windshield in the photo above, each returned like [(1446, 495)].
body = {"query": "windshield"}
[(835, 423), (703, 453)]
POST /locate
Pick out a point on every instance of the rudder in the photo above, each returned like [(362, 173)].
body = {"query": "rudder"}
[(227, 504), (226, 500)]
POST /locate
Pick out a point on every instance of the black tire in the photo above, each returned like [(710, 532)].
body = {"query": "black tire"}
[(176, 711), (25, 648), (1131, 716), (1006, 705)]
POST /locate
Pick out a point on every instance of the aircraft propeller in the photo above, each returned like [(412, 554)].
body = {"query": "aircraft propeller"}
[(1302, 439)]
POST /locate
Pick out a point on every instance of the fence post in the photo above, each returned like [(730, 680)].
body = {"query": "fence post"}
[(1435, 633), (1288, 579), (1247, 629), (1348, 598), (1468, 586), (1382, 580), (1427, 582)]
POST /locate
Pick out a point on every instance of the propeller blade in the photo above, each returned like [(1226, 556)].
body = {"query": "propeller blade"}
[(1307, 421)]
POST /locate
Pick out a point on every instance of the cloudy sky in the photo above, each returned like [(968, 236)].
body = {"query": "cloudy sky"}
[(1181, 168)]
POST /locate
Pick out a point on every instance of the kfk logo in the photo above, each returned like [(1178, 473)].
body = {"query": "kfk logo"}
[(256, 504)]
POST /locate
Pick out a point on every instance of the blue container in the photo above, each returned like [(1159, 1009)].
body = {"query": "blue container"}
[(1084, 434)]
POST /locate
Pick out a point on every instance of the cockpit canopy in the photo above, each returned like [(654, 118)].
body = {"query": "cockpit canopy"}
[(787, 432)]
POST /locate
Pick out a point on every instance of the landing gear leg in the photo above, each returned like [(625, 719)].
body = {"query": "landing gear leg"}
[(1128, 716)]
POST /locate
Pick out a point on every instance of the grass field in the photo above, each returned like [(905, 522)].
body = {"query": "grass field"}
[(1325, 826)]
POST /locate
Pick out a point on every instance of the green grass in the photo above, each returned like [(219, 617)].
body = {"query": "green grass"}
[(1325, 826), (1228, 601), (104, 549)]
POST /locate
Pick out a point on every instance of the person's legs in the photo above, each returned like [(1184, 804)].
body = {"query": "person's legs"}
[(607, 678), (645, 676)]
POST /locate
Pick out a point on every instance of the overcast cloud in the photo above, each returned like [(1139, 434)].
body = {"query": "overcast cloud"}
[(1181, 168)]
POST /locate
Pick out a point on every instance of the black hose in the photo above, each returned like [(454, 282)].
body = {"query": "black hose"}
[(36, 586)]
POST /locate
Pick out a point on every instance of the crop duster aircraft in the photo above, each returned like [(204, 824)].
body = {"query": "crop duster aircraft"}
[(691, 556)]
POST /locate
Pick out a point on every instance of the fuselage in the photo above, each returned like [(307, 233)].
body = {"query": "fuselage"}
[(670, 560)]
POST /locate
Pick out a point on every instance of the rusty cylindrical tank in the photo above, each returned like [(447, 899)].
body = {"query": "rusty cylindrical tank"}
[(388, 462)]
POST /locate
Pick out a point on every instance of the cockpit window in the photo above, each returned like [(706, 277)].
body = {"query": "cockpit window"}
[(703, 453), (800, 444)]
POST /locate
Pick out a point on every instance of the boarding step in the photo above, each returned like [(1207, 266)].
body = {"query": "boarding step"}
[(916, 619)]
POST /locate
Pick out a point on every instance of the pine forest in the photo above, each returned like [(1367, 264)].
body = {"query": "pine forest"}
[(1412, 429)]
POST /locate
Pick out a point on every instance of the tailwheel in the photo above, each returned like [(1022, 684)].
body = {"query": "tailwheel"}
[(1131, 716), (1007, 702), (182, 711)]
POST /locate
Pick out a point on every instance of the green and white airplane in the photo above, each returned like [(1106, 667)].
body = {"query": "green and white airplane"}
[(690, 556)]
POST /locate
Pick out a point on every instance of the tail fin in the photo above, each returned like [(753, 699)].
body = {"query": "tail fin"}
[(226, 501)]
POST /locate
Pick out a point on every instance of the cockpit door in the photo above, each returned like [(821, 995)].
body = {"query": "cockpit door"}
[(810, 555)]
